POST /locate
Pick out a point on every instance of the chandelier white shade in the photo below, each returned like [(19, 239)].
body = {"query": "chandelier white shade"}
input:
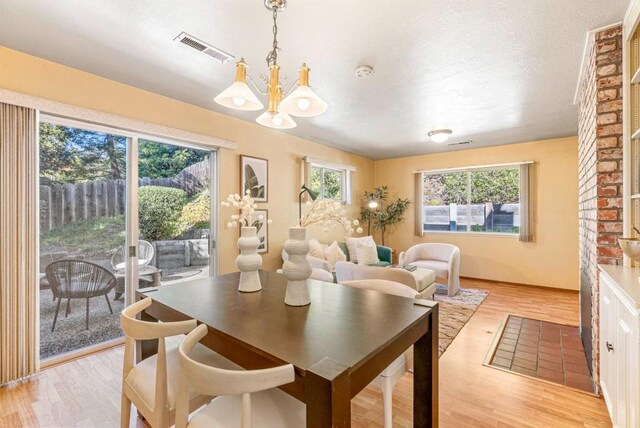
[(238, 96), (277, 120), (302, 102)]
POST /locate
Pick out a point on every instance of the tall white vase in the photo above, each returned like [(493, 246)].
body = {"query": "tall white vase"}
[(249, 261), (297, 268)]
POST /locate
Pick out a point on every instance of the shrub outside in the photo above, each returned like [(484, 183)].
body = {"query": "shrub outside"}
[(160, 208)]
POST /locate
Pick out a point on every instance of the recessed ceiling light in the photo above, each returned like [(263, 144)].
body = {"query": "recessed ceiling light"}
[(440, 136), (364, 71)]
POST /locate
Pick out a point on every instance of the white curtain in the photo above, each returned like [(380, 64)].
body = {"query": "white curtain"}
[(418, 188), (526, 229), (18, 238)]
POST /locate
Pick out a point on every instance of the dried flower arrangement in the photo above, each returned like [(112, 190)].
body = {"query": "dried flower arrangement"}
[(246, 205), (329, 214)]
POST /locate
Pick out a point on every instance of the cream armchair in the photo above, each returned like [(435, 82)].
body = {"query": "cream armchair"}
[(443, 259)]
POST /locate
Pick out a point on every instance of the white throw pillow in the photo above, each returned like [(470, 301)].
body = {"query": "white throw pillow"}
[(354, 243), (367, 254), (334, 254), (315, 249)]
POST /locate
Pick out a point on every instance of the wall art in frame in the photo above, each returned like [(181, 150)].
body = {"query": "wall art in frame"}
[(262, 229), (254, 176)]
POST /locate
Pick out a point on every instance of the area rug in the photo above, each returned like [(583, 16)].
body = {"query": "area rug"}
[(455, 312), (70, 333)]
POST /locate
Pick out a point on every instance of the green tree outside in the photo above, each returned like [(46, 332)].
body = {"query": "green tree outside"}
[(501, 186)]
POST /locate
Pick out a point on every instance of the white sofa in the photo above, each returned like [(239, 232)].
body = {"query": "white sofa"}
[(443, 259), (422, 280)]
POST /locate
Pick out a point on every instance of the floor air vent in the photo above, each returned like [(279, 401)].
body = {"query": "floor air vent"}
[(205, 48)]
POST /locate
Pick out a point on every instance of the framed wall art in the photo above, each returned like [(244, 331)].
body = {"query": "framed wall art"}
[(254, 176)]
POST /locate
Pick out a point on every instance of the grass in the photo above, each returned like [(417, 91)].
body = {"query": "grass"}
[(96, 236)]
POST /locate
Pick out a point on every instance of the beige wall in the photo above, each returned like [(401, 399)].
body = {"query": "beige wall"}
[(34, 76), (552, 260)]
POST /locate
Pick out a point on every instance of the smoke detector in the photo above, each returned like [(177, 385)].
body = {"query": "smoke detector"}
[(204, 47), (364, 71)]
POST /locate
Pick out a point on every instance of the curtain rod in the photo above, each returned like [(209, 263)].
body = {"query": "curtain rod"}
[(476, 167)]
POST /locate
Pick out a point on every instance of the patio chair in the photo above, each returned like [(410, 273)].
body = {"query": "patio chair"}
[(78, 279), (146, 272), (145, 256)]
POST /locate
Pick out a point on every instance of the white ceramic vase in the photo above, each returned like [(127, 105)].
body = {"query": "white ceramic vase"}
[(249, 261), (297, 268)]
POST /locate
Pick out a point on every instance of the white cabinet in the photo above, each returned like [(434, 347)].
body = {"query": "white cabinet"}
[(620, 344)]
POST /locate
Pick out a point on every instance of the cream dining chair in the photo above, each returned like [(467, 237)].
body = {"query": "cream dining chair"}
[(388, 379), (151, 385), (249, 396)]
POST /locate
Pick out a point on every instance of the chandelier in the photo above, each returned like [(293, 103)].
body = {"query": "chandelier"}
[(300, 100)]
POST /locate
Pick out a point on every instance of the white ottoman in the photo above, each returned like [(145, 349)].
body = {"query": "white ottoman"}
[(425, 282)]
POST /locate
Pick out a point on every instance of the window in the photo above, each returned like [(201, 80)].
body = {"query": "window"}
[(331, 180), (474, 200), (329, 183)]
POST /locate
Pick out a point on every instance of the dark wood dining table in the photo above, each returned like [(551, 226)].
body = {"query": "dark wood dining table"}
[(338, 344)]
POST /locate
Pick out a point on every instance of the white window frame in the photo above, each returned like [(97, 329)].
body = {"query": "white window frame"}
[(346, 173), (469, 171)]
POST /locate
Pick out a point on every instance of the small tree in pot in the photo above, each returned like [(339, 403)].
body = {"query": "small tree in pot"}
[(383, 216)]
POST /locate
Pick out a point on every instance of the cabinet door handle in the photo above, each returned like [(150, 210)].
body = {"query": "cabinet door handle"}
[(609, 347)]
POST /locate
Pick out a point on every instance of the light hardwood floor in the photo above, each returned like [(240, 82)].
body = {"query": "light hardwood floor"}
[(86, 392)]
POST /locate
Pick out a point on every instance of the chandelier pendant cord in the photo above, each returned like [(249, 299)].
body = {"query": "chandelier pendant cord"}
[(272, 57)]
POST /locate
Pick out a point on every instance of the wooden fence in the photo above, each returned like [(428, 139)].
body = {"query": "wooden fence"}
[(65, 204), (482, 217)]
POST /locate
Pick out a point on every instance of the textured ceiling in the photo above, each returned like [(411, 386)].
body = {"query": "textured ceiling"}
[(496, 72)]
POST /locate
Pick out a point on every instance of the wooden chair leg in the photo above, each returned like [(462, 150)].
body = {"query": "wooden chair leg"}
[(125, 412), (106, 296), (68, 311), (87, 314), (387, 401), (55, 318)]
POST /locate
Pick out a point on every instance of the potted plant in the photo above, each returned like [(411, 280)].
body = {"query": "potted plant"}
[(381, 215)]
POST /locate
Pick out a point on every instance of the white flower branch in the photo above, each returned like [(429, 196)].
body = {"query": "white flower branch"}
[(246, 206), (329, 214)]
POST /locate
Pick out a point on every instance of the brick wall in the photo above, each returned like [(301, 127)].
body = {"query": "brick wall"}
[(600, 167)]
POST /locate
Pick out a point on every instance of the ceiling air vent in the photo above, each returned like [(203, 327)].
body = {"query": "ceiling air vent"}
[(205, 48), (461, 143)]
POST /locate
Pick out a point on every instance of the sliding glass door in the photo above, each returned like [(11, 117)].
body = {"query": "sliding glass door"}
[(117, 212), (83, 200), (174, 206)]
